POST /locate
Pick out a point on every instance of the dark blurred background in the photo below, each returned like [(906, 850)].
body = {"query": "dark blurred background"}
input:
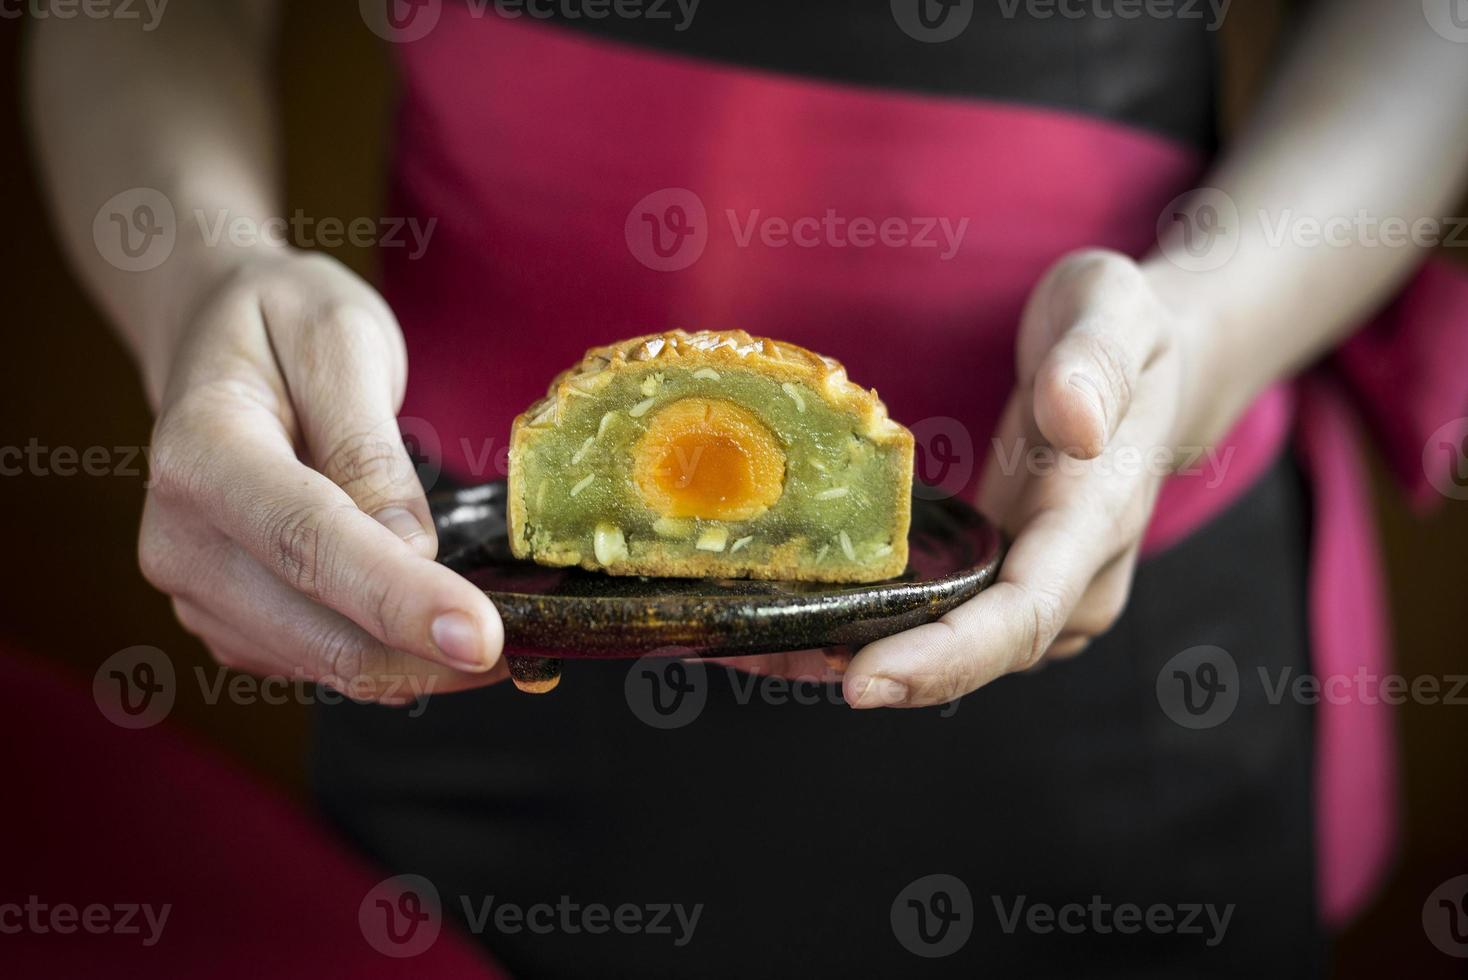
[(73, 592)]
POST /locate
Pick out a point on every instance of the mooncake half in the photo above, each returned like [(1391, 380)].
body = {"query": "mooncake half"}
[(711, 454)]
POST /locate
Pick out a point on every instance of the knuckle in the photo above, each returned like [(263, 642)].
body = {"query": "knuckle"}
[(345, 660), (188, 439), (368, 466), (298, 541), (334, 654), (252, 284), (335, 327), (318, 263), (316, 295), (337, 320), (283, 296)]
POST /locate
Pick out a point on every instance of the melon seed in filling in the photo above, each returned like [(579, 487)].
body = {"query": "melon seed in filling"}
[(708, 458)]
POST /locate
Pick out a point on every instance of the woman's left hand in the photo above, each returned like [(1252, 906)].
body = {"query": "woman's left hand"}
[(1088, 436)]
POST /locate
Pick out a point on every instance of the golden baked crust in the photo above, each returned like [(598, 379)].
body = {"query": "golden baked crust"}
[(711, 348), (784, 362)]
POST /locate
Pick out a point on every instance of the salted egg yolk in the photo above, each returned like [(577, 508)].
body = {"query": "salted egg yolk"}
[(708, 458)]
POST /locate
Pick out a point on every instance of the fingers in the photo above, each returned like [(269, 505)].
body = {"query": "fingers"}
[(341, 364), (297, 356), (797, 665), (227, 645), (1099, 609), (1103, 328), (252, 621), (1096, 374), (1005, 628), (242, 476)]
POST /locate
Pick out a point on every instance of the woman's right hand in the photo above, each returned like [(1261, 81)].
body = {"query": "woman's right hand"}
[(283, 515)]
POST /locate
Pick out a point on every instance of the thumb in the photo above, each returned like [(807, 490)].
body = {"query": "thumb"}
[(1105, 326)]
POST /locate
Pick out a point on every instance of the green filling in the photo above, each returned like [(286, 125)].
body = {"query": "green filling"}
[(824, 453)]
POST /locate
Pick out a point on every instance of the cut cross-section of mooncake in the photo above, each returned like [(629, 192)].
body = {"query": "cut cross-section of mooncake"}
[(711, 454)]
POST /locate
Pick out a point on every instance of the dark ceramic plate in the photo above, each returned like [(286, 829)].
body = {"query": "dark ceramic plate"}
[(557, 612)]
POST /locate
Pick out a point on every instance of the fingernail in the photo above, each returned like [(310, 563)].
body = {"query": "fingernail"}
[(457, 638), (878, 692), (403, 523)]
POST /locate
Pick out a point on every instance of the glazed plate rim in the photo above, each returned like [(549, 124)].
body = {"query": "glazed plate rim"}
[(675, 623)]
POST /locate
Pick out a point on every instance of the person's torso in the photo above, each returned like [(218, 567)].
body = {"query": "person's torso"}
[(828, 174)]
